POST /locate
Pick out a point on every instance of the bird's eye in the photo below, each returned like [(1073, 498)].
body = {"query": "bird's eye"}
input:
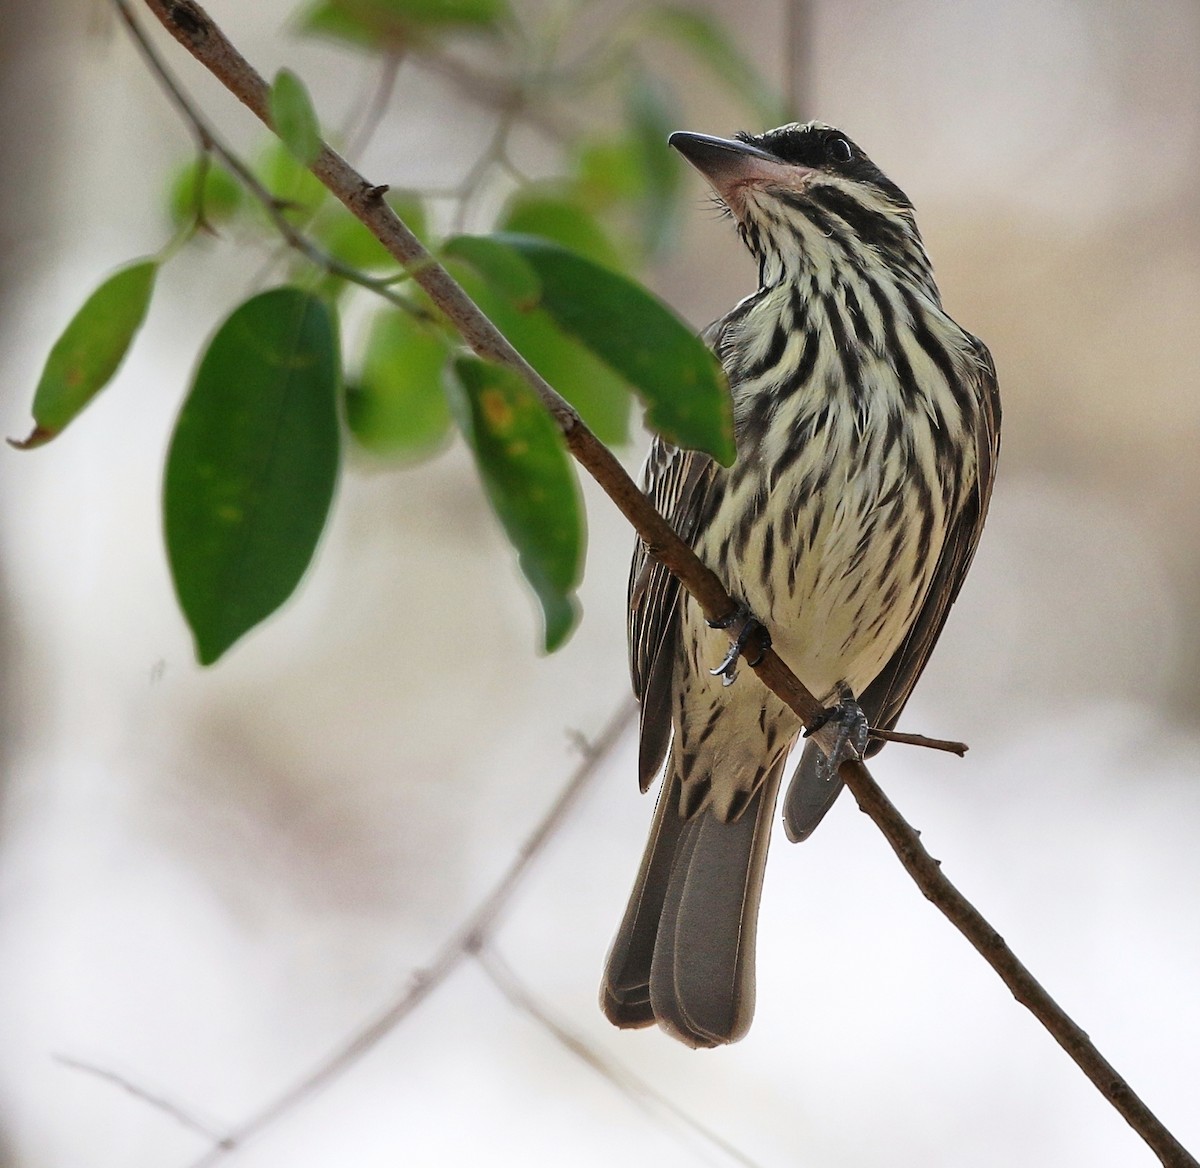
[(838, 150)]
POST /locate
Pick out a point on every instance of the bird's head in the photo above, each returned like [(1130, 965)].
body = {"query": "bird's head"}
[(804, 197)]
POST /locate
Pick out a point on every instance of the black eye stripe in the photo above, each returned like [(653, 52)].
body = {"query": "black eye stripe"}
[(821, 147)]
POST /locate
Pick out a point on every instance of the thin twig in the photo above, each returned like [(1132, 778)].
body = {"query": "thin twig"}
[(492, 154), (474, 931), (944, 744), (158, 1102), (187, 21), (209, 142), (359, 137), (500, 93), (633, 1087)]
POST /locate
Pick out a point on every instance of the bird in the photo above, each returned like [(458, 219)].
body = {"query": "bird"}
[(867, 425)]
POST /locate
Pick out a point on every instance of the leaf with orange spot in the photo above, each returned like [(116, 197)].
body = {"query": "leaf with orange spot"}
[(530, 483), (90, 350)]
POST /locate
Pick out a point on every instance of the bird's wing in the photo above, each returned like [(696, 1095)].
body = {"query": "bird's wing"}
[(885, 697), (676, 482)]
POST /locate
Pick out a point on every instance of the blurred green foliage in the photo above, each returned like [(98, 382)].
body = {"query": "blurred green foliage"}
[(556, 268)]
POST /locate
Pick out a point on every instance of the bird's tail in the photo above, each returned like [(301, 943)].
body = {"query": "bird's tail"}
[(810, 794), (684, 954)]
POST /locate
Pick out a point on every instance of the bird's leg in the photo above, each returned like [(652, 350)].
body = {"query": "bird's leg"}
[(727, 670), (853, 730)]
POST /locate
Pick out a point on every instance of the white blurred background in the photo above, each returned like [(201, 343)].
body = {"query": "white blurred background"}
[(209, 878)]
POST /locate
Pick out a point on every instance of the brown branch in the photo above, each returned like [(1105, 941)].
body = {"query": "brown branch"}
[(965, 917), (190, 25), (944, 744), (193, 28)]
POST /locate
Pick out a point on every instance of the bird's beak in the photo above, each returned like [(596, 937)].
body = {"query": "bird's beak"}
[(732, 166)]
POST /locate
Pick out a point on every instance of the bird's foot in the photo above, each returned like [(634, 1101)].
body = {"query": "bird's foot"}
[(853, 730), (727, 670)]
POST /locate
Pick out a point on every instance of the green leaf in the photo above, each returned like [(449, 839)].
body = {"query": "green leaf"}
[(553, 216), (410, 208), (608, 171), (293, 117), (710, 43), (651, 121), (329, 21), (350, 240), (436, 12), (393, 24), (685, 391), (90, 350), (601, 397), (500, 265), (530, 483), (203, 189), (296, 187), (252, 465), (397, 405)]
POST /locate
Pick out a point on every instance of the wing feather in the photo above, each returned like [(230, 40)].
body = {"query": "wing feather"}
[(676, 482), (885, 697)]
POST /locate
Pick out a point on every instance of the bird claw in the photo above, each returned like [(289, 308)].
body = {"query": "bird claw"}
[(853, 731), (727, 670)]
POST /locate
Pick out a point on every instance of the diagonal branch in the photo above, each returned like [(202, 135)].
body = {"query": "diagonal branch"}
[(160, 1103), (195, 30), (467, 940), (188, 22)]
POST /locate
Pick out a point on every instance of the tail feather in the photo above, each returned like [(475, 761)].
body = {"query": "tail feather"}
[(684, 955), (625, 991), (809, 796)]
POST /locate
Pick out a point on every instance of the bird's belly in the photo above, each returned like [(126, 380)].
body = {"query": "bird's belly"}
[(837, 603), (845, 618), (840, 594)]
